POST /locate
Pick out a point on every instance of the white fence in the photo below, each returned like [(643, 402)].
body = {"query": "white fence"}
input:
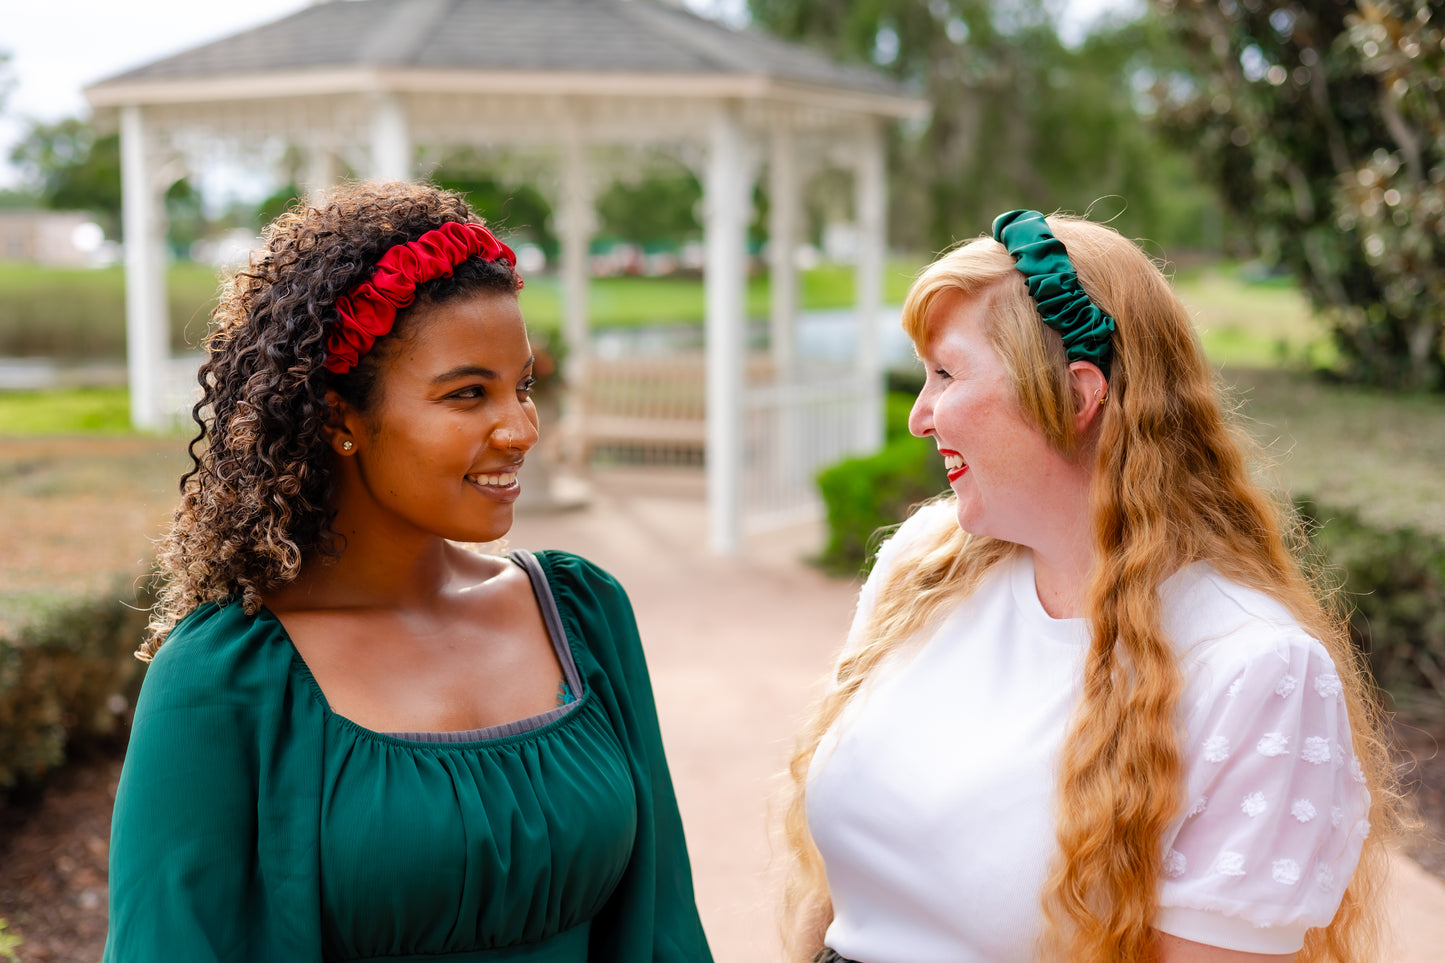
[(792, 431), (651, 411)]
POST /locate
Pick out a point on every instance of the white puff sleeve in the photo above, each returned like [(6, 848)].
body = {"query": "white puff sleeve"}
[(1277, 806)]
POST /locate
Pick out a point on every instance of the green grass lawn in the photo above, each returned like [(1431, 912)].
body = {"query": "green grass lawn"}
[(1250, 323), (621, 302), (1381, 454), (70, 411)]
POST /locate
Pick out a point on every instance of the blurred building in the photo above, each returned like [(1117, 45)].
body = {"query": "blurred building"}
[(51, 238)]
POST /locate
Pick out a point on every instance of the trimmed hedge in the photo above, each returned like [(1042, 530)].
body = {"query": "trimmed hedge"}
[(864, 496), (67, 675)]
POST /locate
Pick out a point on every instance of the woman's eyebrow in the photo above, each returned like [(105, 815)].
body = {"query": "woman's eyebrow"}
[(474, 371), (466, 371)]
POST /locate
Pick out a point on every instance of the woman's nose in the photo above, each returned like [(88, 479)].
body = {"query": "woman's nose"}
[(517, 433), (920, 417)]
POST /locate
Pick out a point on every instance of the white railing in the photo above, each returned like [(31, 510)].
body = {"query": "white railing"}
[(650, 411), (792, 431)]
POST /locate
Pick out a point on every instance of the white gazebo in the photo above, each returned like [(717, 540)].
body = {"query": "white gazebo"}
[(566, 85)]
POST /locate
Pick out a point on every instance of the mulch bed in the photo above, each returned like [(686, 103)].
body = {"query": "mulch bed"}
[(53, 849)]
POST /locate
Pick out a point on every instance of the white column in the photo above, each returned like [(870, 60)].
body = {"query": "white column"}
[(727, 204), (782, 241), (390, 140), (147, 322), (575, 220), (871, 203), (321, 170)]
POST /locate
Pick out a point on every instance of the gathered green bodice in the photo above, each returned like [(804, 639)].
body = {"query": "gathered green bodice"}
[(252, 823)]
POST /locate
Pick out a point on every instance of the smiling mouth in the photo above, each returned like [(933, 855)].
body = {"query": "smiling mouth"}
[(500, 480), (953, 463)]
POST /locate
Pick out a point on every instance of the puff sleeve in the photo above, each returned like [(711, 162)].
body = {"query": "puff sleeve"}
[(203, 868), (1277, 806)]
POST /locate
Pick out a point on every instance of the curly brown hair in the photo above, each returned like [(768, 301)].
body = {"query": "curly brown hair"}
[(256, 502)]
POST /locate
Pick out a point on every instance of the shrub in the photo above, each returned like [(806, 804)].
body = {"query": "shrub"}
[(1393, 580), (866, 495), (68, 674)]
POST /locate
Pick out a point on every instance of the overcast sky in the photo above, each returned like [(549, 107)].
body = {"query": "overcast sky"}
[(57, 47)]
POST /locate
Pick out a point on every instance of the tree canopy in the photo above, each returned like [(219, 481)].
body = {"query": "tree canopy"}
[(7, 79), (1020, 119), (1322, 125), (67, 166)]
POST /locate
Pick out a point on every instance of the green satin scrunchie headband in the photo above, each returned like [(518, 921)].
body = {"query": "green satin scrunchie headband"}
[(1055, 287)]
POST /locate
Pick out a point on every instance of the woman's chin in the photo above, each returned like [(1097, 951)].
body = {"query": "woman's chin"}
[(479, 534)]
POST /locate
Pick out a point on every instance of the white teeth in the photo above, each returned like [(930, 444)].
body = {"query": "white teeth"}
[(499, 481), (950, 462)]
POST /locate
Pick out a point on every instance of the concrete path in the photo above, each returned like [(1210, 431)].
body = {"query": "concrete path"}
[(736, 649)]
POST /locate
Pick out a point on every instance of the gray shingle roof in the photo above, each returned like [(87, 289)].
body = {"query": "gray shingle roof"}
[(585, 36)]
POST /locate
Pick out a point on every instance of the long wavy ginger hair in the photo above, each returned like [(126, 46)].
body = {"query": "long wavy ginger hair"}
[(1170, 487), (256, 502)]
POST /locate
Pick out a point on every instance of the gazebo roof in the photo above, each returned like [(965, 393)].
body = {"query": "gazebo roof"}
[(327, 44), (557, 91)]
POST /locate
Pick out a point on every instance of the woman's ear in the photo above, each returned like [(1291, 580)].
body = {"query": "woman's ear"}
[(1091, 392), (343, 426)]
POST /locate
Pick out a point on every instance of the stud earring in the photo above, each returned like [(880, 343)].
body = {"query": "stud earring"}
[(347, 446)]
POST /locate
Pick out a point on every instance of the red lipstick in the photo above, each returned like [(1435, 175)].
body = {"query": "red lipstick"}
[(956, 471)]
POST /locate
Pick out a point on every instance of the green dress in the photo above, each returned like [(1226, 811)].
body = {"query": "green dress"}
[(253, 824)]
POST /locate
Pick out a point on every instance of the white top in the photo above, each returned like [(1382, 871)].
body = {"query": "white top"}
[(931, 800)]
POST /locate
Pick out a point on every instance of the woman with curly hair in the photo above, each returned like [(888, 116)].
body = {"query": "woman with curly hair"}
[(1091, 709), (358, 740)]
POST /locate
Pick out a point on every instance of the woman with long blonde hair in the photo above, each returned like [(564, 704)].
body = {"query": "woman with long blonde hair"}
[(1091, 707)]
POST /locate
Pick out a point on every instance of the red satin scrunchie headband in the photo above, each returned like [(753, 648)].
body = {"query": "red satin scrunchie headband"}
[(369, 309)]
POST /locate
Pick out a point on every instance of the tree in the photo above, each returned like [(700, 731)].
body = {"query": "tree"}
[(1019, 119), (657, 210), (69, 167), (1321, 124), (519, 212), (7, 79), (10, 197)]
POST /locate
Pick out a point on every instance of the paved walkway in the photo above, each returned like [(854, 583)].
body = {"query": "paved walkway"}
[(736, 647)]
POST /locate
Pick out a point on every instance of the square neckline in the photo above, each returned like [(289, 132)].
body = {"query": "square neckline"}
[(504, 733)]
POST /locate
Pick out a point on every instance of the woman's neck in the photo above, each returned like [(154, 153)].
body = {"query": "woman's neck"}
[(378, 566), (1063, 551), (1062, 583)]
